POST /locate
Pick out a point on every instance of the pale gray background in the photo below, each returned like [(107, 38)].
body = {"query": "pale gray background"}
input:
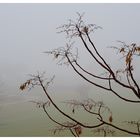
[(27, 30)]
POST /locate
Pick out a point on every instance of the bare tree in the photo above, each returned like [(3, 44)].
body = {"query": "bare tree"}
[(99, 111)]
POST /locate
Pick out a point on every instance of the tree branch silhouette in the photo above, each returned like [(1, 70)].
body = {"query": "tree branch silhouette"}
[(65, 55)]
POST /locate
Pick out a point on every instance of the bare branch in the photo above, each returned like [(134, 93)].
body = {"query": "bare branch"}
[(103, 78), (67, 56)]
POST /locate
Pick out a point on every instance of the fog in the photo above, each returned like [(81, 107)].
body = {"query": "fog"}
[(28, 30)]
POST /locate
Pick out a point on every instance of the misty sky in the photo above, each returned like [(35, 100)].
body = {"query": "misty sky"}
[(27, 30)]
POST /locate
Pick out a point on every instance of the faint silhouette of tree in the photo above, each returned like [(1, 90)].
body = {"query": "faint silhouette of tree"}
[(104, 124)]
